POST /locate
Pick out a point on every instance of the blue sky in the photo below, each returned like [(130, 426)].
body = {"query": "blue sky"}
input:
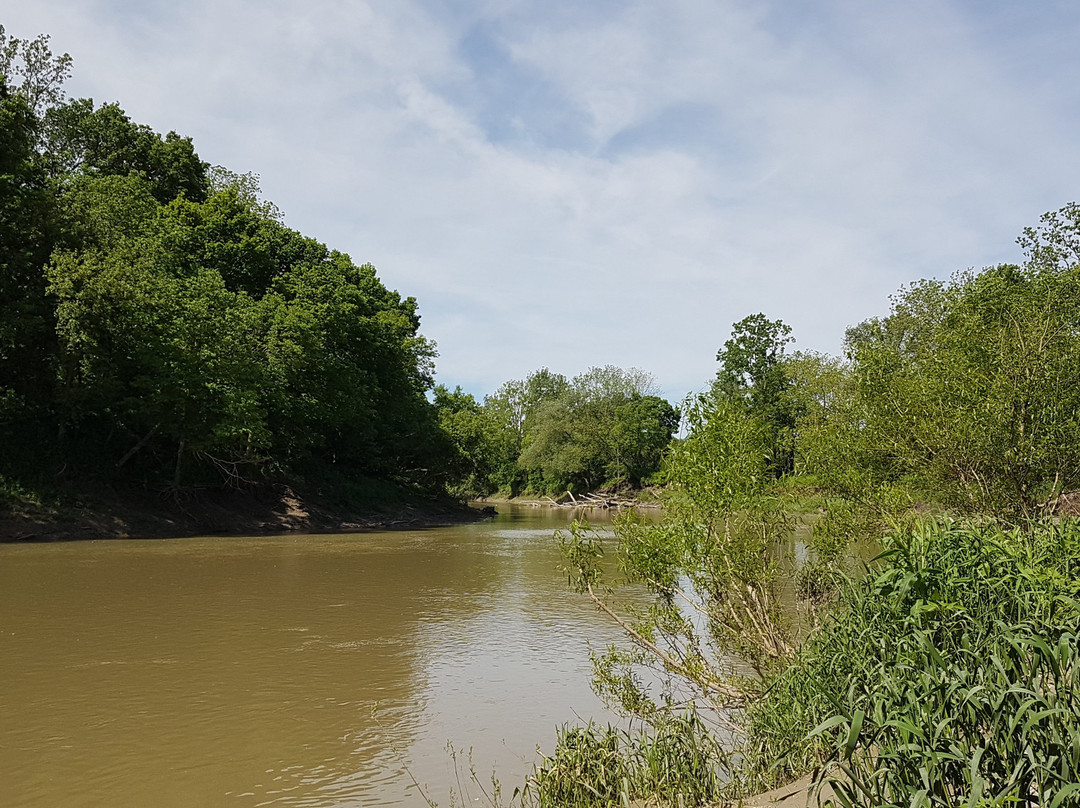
[(569, 184)]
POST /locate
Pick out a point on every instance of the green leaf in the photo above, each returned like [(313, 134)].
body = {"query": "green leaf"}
[(853, 733)]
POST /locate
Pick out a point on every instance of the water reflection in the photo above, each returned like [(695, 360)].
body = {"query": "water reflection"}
[(296, 671)]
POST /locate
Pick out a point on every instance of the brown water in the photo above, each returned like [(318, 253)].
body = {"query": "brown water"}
[(287, 671)]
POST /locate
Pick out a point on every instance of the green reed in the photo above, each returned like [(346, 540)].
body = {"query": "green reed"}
[(949, 677), (678, 762)]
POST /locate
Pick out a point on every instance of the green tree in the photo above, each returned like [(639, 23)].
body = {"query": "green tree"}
[(970, 388), (82, 139), (513, 409), (359, 390), (604, 427), (505, 409), (29, 67), (473, 436), (148, 350), (27, 233), (753, 371), (642, 428)]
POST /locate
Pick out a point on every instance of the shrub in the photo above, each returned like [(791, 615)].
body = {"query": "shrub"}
[(947, 678)]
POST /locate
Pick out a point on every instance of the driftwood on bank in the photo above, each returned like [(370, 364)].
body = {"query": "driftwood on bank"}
[(606, 501)]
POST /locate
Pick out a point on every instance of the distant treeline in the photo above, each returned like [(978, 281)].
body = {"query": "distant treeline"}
[(966, 395), (548, 434)]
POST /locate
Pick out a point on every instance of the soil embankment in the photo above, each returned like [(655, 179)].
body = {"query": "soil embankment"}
[(139, 513)]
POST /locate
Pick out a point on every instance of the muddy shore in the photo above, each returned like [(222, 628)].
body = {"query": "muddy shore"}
[(139, 513)]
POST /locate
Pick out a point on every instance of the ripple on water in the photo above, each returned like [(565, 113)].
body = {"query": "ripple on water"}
[(300, 671)]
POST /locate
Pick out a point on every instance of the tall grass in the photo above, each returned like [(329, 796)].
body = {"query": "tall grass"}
[(678, 762), (947, 678)]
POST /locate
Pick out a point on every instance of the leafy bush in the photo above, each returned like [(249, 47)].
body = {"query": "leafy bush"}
[(948, 677), (678, 761)]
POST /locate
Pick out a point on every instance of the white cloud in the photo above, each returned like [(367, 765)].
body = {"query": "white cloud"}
[(572, 184)]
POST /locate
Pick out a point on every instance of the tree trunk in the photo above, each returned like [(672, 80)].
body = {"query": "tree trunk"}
[(179, 462)]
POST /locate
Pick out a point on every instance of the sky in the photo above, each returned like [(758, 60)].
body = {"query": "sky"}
[(576, 183)]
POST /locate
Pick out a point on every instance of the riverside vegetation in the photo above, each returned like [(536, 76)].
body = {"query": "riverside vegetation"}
[(160, 327), (945, 673)]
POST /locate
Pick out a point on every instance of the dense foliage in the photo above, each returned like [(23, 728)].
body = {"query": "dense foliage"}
[(159, 323), (948, 677), (596, 767), (548, 434), (969, 388)]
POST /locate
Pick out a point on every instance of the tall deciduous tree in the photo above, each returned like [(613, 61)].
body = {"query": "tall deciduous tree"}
[(82, 139), (29, 67), (606, 426), (27, 235), (753, 372)]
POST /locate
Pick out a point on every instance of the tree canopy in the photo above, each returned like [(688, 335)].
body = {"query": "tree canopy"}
[(548, 434), (160, 323)]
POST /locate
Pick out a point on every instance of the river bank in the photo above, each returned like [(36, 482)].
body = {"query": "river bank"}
[(105, 512)]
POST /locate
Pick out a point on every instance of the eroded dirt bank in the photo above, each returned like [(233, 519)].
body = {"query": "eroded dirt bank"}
[(138, 513)]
